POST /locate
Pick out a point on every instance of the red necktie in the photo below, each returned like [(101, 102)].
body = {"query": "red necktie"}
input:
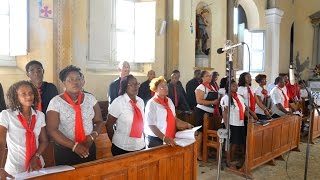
[(171, 124), (31, 146), (79, 131), (286, 102), (241, 111), (176, 102), (137, 122), (252, 100), (40, 103), (216, 86)]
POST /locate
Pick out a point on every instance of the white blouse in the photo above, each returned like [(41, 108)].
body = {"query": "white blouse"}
[(243, 91), (67, 114), (122, 109), (277, 97), (16, 139), (206, 91), (234, 110), (156, 114), (258, 92)]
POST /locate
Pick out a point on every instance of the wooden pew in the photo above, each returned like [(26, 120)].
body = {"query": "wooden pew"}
[(189, 118), (162, 162), (315, 126), (265, 143), (104, 109)]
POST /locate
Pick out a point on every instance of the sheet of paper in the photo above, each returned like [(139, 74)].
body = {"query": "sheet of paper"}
[(184, 142), (188, 133), (43, 171)]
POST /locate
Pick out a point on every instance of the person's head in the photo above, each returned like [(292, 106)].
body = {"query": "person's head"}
[(124, 68), (151, 75), (223, 82), (159, 86), (176, 71), (129, 85), (215, 76), (174, 78), (233, 88), (34, 70), (22, 94), (204, 11), (245, 79), (72, 79), (261, 79), (205, 76), (197, 74), (279, 81), (301, 84), (285, 78)]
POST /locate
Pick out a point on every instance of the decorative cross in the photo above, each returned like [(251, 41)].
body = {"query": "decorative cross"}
[(46, 11)]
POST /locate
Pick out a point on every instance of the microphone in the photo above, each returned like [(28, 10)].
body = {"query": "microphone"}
[(221, 50), (291, 74)]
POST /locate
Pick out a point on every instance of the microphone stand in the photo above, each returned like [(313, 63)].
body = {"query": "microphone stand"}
[(311, 107), (225, 133)]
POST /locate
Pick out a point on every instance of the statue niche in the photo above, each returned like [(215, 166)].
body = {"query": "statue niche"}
[(202, 35)]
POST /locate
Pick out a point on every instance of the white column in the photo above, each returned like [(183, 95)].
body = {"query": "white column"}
[(273, 19)]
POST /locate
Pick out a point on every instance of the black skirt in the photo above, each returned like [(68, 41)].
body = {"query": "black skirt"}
[(238, 135)]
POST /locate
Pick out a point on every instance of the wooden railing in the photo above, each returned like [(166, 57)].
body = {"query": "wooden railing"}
[(315, 126)]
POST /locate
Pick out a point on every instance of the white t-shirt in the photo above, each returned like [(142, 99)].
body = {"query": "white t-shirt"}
[(277, 97), (303, 93), (222, 91), (156, 114), (258, 92), (122, 109), (67, 114), (243, 91), (234, 110), (206, 91), (16, 139)]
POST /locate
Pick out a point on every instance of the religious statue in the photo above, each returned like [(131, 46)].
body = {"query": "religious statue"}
[(201, 32)]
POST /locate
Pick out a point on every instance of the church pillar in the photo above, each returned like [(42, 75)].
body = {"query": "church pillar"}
[(273, 19)]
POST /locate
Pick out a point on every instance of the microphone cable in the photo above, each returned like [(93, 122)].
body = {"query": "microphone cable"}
[(249, 54)]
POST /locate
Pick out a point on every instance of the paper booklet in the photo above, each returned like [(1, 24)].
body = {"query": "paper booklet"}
[(43, 171), (186, 137)]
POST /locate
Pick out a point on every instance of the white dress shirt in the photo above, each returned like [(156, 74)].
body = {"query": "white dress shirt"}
[(206, 91), (277, 97), (234, 110), (258, 92)]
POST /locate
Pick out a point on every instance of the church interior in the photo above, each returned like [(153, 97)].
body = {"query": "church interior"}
[(168, 35)]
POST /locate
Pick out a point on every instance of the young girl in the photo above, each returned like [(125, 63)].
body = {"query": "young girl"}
[(237, 112), (22, 129)]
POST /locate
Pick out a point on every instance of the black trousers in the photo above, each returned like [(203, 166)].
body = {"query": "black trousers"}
[(65, 156), (154, 141), (115, 150)]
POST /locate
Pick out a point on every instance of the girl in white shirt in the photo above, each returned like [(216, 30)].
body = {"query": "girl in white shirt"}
[(22, 129), (126, 111), (236, 121), (261, 96)]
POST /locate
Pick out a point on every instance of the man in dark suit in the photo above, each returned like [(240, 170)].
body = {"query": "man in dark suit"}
[(191, 87), (144, 91), (114, 87), (2, 101), (177, 94)]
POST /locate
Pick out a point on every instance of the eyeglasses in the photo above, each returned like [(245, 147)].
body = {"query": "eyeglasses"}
[(135, 84), (208, 75), (34, 71), (163, 87), (72, 80)]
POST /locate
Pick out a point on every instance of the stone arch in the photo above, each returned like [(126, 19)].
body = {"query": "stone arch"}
[(252, 13)]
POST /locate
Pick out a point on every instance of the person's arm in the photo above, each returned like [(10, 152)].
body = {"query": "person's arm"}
[(3, 135), (225, 116), (97, 124), (43, 143), (200, 100), (281, 108), (53, 120), (110, 123), (261, 105), (159, 134), (182, 125)]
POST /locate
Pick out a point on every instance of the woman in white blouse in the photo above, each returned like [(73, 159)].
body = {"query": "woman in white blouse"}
[(73, 120), (261, 96), (236, 121), (160, 116), (126, 112)]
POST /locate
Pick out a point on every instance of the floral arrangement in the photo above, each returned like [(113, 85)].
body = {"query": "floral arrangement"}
[(316, 70)]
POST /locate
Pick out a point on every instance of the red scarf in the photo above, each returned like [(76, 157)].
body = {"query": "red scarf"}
[(171, 123), (286, 102), (264, 93), (137, 122), (176, 101), (80, 136), (39, 103), (252, 100), (31, 145), (241, 109), (216, 109)]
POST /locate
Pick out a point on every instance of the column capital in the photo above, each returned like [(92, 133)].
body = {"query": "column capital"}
[(274, 15)]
